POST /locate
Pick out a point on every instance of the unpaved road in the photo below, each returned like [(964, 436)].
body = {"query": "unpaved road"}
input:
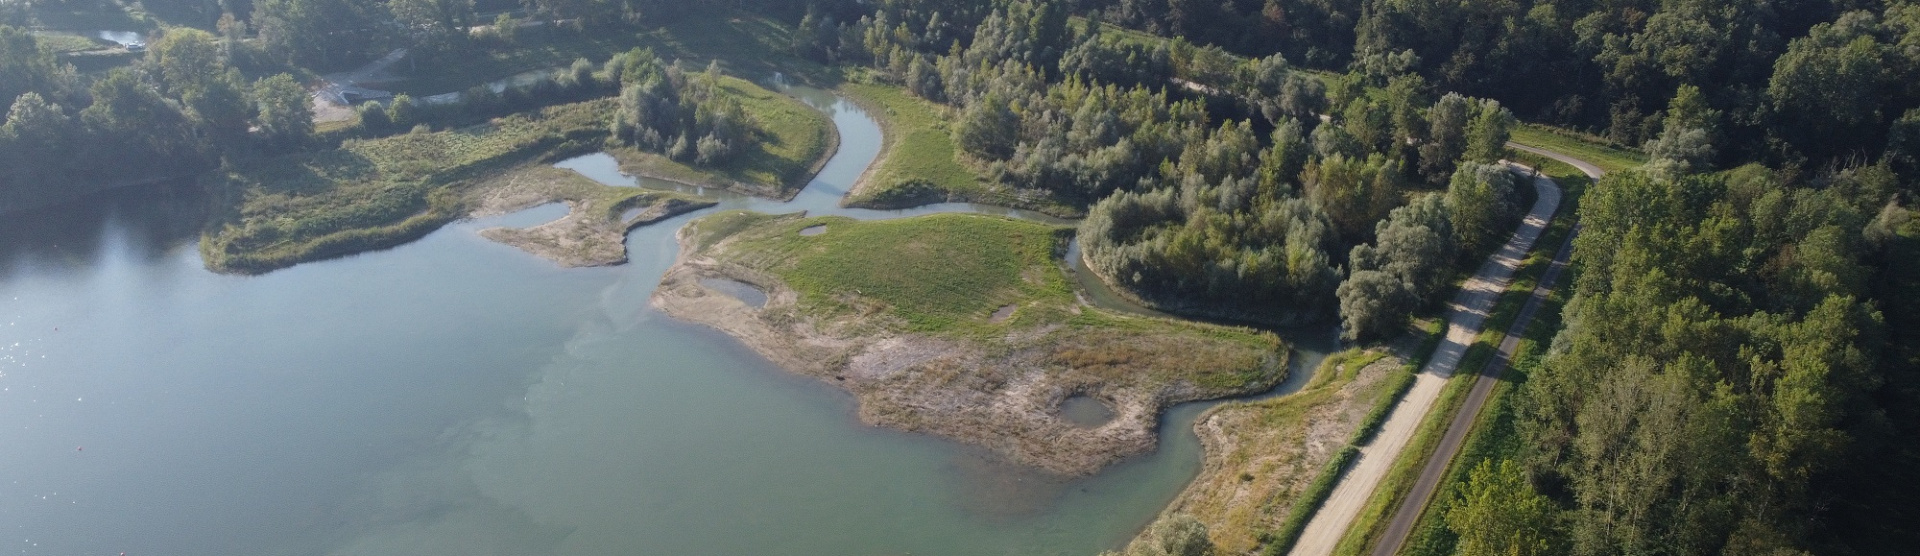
[(1409, 512), (1465, 315)]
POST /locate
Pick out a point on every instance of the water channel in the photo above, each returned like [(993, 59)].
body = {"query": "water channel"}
[(457, 396)]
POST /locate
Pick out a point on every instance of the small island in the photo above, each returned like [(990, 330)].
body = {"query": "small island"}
[(963, 326)]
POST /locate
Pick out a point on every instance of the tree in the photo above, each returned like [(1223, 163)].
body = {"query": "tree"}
[(403, 112), (988, 129), (125, 104), (373, 119), (435, 24), (26, 66), (1679, 151), (1480, 205), (1373, 304), (221, 105), (1497, 513), (1281, 165), (1487, 134), (187, 58), (286, 112), (37, 131), (1829, 88), (1399, 270), (1446, 137), (323, 33)]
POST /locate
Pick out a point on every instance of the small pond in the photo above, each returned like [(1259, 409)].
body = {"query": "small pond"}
[(746, 293), (1085, 411)]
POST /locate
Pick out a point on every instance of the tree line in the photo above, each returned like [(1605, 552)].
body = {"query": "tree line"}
[(1793, 84), (179, 110), (1737, 375)]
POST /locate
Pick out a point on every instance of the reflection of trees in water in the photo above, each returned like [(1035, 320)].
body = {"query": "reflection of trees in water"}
[(148, 221)]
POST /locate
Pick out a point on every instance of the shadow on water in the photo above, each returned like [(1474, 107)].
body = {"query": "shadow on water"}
[(147, 221)]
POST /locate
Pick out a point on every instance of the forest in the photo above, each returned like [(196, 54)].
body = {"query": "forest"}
[(1740, 361)]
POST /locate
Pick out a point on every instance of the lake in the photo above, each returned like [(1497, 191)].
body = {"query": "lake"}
[(457, 396)]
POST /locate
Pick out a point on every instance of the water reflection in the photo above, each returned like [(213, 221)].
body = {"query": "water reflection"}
[(146, 223)]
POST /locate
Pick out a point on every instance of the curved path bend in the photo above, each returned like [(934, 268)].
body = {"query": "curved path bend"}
[(1465, 316)]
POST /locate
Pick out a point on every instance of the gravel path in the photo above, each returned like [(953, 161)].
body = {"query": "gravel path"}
[(1408, 514), (1465, 316)]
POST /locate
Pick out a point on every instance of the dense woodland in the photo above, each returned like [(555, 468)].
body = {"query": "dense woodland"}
[(1740, 366), (1217, 185)]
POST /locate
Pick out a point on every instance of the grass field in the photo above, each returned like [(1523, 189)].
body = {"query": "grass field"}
[(947, 275), (795, 141), (1606, 157), (378, 193)]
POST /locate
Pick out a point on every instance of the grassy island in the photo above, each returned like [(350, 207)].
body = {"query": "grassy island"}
[(964, 326)]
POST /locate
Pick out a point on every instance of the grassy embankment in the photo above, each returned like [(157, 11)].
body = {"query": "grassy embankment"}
[(1393, 490), (921, 164), (795, 141), (1607, 157)]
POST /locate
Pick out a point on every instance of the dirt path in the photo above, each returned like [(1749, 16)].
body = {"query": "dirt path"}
[(1409, 512), (1465, 315)]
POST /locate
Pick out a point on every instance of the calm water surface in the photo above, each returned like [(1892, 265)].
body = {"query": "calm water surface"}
[(456, 396)]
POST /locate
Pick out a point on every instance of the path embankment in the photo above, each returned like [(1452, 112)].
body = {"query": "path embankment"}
[(1465, 315), (1428, 483)]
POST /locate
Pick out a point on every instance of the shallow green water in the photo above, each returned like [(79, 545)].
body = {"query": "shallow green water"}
[(455, 396)]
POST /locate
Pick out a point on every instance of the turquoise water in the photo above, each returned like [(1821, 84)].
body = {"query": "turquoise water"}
[(456, 396)]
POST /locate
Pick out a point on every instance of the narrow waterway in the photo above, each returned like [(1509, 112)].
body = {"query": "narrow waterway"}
[(456, 396)]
